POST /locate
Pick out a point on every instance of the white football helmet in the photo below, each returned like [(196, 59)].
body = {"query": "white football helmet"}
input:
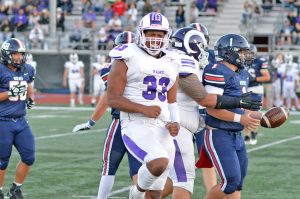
[(29, 58), (74, 58), (288, 58), (154, 21)]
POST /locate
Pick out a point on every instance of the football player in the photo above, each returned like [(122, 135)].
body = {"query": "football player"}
[(258, 73), (15, 94), (191, 45), (98, 86), (142, 84), (223, 140), (74, 73), (30, 61), (114, 148)]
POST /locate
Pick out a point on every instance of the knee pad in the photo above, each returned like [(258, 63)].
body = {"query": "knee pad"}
[(3, 164), (29, 160)]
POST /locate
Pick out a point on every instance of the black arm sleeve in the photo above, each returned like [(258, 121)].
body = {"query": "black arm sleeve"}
[(227, 102)]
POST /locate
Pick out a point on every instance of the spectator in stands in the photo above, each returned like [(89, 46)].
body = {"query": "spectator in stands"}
[(89, 19), (8, 3), (3, 10), (159, 6), (147, 8), (36, 38), (212, 7), (43, 4), (179, 17), (256, 13), (132, 14), (65, 5), (291, 17), (108, 13), (60, 19), (247, 13), (139, 6), (5, 30), (119, 7), (297, 5), (286, 33), (194, 12), (15, 8), (200, 5), (296, 34), (44, 21), (76, 31), (21, 21), (103, 37), (86, 4), (115, 23), (33, 18)]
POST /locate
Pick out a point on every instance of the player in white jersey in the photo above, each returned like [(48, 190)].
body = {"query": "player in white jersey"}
[(74, 73), (142, 84), (290, 80), (98, 86), (30, 61), (279, 65)]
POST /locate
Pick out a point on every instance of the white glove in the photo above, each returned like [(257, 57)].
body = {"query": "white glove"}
[(85, 126)]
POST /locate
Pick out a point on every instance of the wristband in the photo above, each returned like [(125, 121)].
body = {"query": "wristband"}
[(237, 118), (91, 122), (174, 112)]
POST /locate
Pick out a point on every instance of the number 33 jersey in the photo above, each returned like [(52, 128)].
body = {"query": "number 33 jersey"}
[(148, 78)]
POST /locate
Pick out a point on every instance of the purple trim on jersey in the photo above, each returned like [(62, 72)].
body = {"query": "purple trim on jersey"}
[(184, 74), (186, 65), (155, 19), (179, 165), (135, 149), (118, 57), (188, 62)]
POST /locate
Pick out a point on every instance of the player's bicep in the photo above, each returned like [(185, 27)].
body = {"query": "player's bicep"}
[(117, 79), (192, 86)]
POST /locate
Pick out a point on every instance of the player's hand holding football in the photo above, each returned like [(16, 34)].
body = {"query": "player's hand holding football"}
[(173, 128), (152, 111), (250, 103), (251, 119)]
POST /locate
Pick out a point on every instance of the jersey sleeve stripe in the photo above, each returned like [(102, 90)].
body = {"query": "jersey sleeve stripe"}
[(212, 78), (214, 82)]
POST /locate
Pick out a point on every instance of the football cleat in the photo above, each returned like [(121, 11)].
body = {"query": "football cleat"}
[(15, 192), (247, 139), (253, 138)]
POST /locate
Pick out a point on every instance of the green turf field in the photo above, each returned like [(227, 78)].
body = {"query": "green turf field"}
[(69, 166)]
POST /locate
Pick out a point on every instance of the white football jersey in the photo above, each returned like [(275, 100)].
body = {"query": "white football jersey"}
[(74, 69), (148, 78)]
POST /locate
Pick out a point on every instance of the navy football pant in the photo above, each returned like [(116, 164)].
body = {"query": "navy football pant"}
[(228, 154), (16, 132), (114, 150)]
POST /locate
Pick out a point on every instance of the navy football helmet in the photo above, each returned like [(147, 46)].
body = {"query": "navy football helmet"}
[(201, 28), (192, 42), (124, 38), (10, 47), (229, 48), (251, 54)]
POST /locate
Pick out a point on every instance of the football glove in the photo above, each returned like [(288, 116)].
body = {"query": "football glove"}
[(17, 90), (30, 103), (248, 102), (85, 126)]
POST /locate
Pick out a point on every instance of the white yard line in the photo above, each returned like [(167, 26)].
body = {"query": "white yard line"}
[(69, 134)]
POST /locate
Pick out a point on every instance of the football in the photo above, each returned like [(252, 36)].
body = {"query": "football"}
[(274, 117)]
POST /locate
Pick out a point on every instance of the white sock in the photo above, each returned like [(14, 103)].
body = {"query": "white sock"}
[(18, 184), (105, 186), (72, 102), (1, 188), (145, 178)]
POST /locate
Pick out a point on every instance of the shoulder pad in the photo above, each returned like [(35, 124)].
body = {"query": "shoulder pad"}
[(122, 51)]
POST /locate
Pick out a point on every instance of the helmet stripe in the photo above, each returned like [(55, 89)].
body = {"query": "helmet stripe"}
[(22, 47)]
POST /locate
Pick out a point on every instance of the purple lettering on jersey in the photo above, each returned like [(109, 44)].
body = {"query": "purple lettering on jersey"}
[(153, 88), (120, 47)]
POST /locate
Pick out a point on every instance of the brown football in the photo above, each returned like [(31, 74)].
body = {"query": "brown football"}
[(274, 117)]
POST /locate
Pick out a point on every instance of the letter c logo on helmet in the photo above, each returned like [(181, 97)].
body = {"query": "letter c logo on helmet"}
[(10, 47)]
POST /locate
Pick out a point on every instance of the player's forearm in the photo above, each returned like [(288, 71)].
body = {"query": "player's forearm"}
[(221, 114), (30, 93), (3, 96), (123, 104), (101, 107)]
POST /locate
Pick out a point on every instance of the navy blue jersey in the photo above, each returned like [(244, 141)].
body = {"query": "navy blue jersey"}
[(260, 63), (219, 79), (14, 107), (104, 75), (211, 56)]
